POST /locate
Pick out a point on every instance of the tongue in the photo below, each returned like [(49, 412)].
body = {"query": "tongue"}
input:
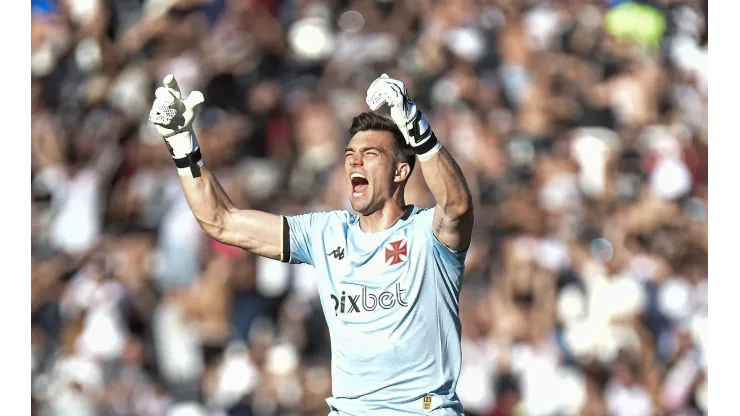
[(359, 188)]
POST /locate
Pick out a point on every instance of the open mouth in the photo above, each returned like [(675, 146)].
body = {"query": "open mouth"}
[(359, 184)]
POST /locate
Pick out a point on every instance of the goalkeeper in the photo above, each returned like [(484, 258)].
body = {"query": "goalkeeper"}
[(389, 276)]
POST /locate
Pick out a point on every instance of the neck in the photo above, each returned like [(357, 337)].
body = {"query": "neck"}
[(383, 217)]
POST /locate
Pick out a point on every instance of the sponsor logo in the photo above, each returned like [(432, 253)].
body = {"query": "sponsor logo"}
[(367, 301)]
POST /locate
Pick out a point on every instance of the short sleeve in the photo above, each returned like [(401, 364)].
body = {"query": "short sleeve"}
[(302, 230), (450, 258)]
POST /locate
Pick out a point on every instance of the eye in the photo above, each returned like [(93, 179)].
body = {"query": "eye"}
[(373, 153)]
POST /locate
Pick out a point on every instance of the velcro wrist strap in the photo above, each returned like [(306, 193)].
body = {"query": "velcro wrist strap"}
[(427, 145), (423, 138), (192, 161)]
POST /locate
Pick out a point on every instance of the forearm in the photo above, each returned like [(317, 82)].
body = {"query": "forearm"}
[(258, 232), (447, 184), (453, 216), (207, 200)]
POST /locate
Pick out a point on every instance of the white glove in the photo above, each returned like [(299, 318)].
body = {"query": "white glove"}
[(407, 116), (173, 117)]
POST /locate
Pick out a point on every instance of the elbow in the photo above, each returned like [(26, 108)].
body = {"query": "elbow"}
[(460, 209), (212, 231), (215, 226)]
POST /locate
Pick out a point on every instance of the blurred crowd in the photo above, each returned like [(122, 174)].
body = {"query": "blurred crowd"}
[(581, 126)]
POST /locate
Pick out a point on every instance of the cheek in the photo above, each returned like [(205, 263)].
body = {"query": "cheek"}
[(383, 176)]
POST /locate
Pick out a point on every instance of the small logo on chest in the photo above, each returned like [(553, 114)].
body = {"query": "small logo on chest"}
[(337, 253), (396, 252)]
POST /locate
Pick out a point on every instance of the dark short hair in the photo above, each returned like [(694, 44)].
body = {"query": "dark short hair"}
[(371, 121)]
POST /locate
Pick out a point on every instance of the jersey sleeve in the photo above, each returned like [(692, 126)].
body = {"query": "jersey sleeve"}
[(303, 231), (450, 259)]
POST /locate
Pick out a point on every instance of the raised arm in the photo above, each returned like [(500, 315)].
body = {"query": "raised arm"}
[(258, 232), (453, 215)]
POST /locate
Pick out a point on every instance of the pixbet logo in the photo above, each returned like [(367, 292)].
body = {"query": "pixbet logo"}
[(368, 302)]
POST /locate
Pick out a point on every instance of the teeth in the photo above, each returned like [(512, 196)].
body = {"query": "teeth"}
[(357, 175)]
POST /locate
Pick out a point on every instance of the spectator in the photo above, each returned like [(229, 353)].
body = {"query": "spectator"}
[(584, 140)]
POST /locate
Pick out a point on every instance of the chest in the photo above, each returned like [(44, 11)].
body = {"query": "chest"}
[(364, 279), (376, 260)]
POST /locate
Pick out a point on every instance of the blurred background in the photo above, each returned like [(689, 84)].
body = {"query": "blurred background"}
[(581, 126)]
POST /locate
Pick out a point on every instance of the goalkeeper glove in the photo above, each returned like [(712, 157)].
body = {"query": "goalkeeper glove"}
[(173, 117), (404, 112)]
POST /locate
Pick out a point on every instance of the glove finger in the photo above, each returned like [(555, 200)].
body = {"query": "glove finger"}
[(372, 89), (171, 84), (380, 80), (393, 95), (169, 97), (163, 94), (194, 100), (400, 86), (376, 99)]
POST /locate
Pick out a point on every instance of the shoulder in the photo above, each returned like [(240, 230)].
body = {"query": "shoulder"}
[(422, 219), (321, 219), (422, 216), (341, 218), (337, 216)]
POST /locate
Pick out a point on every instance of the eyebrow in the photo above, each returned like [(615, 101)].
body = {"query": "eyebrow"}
[(363, 149)]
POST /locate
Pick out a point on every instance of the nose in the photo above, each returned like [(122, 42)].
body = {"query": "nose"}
[(355, 159)]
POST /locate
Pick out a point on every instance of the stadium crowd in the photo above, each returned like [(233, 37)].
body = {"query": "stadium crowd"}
[(581, 126)]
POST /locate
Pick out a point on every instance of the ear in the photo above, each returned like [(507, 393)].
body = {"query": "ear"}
[(403, 171)]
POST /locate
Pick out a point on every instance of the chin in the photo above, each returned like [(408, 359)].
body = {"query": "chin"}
[(361, 204), (360, 208)]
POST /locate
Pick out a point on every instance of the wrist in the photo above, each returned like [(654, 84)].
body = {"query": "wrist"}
[(190, 164), (425, 143), (429, 150), (181, 144), (192, 169), (185, 152)]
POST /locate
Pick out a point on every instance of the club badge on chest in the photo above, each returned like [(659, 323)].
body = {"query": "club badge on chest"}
[(396, 251)]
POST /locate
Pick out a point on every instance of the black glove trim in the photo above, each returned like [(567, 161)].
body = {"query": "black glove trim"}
[(190, 161), (418, 136), (427, 145)]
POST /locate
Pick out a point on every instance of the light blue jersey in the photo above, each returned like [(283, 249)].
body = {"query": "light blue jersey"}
[(391, 303)]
